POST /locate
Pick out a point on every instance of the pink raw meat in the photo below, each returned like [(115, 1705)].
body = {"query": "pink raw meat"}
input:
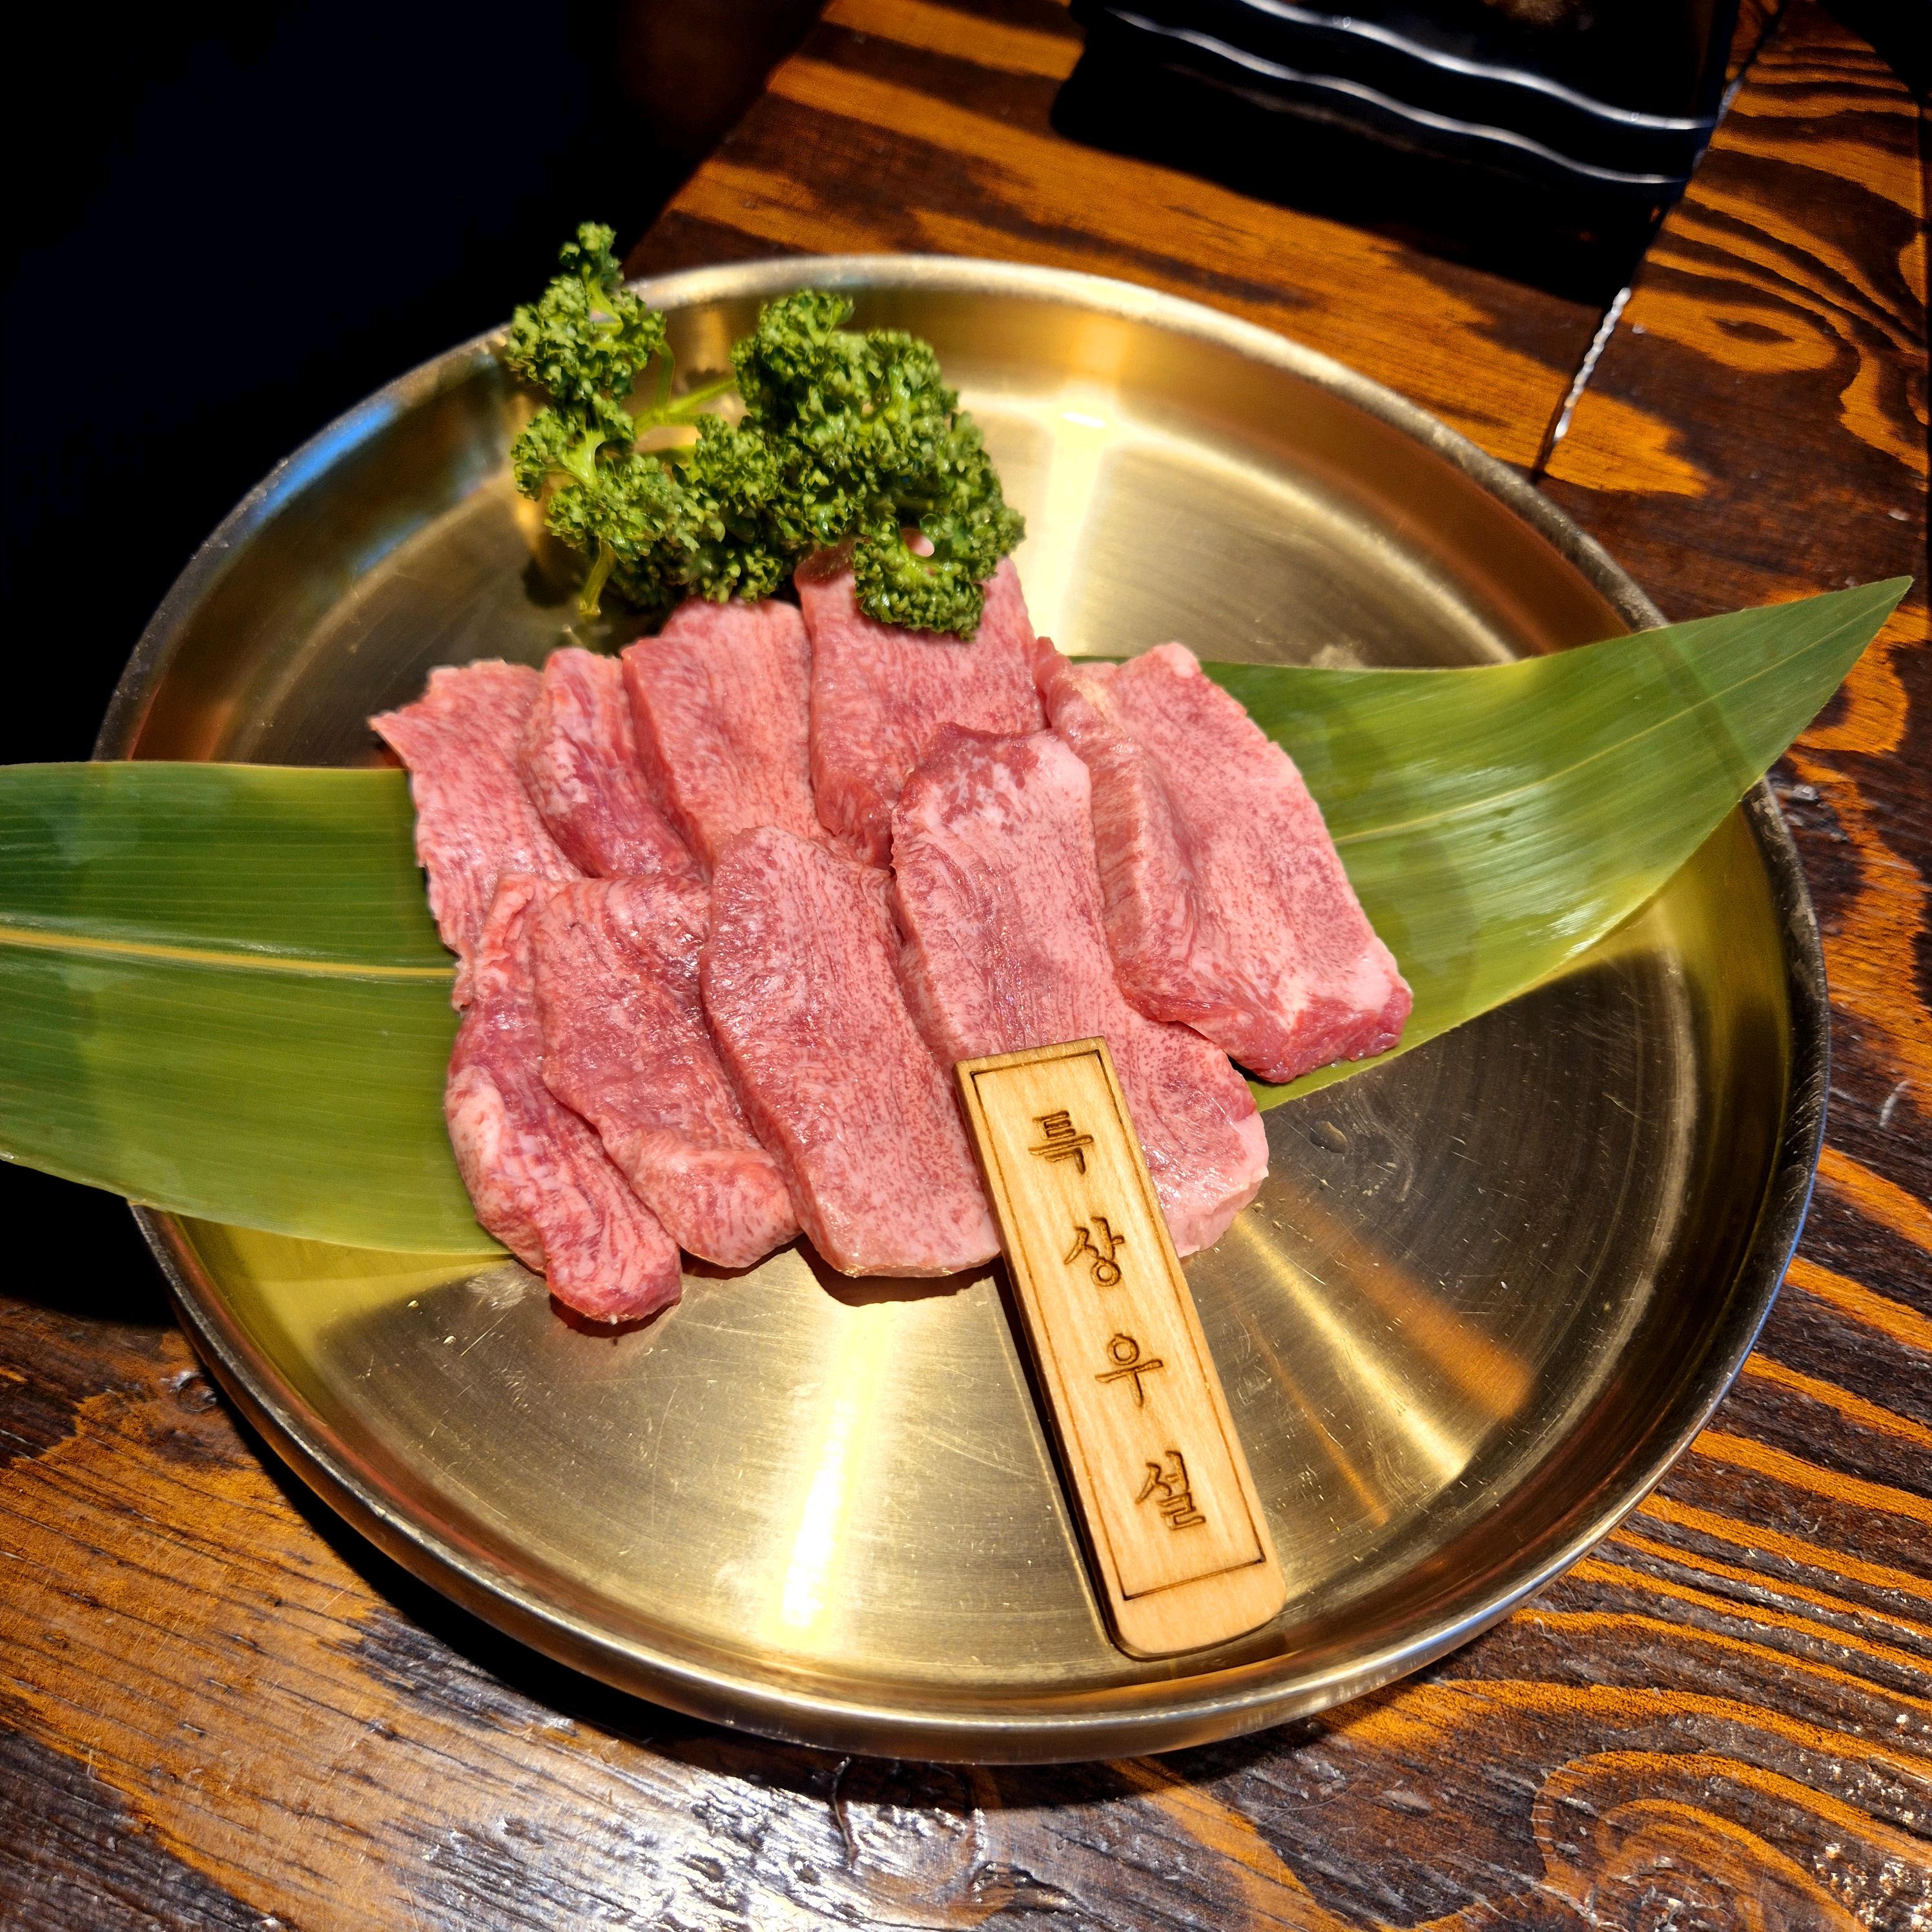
[(538, 1178), (801, 993), (721, 697), (1228, 907), (579, 762), (624, 1044), (880, 696), (474, 821), (1007, 948)]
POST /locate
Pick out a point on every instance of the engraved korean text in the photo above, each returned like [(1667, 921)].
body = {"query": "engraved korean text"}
[(1167, 1487), (1101, 1246), (1062, 1140), (1129, 1365)]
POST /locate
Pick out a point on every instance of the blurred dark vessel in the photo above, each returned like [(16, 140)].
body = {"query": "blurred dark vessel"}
[(1545, 137)]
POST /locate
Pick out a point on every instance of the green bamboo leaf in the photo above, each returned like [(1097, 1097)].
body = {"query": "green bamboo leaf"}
[(1496, 821), (221, 991)]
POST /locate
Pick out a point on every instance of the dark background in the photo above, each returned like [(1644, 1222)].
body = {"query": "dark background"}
[(265, 211), (227, 223)]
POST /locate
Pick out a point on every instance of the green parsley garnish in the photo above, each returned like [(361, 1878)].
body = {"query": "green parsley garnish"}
[(845, 437)]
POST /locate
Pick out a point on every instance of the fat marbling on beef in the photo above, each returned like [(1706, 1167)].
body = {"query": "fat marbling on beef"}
[(1227, 904), (537, 1177), (1007, 948), (801, 992), (625, 1044), (721, 697), (578, 759), (880, 696), (474, 820)]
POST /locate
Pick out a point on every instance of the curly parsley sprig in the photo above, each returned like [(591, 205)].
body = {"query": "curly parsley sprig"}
[(845, 438)]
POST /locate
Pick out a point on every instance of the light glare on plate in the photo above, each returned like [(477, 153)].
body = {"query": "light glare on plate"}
[(856, 1371)]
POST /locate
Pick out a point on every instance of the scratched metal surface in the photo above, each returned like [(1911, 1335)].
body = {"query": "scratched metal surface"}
[(1487, 1292)]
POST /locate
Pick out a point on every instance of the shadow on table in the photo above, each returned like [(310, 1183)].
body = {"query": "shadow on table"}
[(76, 1251)]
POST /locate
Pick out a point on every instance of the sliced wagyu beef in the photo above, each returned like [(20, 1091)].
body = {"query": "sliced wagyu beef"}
[(880, 696), (537, 1177), (1227, 904), (720, 698), (1006, 948), (578, 757), (625, 1044), (801, 990), (474, 820)]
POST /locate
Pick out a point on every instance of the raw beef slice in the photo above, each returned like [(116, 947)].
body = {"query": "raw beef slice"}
[(474, 821), (1007, 948), (1228, 907), (579, 762), (880, 696), (801, 992), (720, 700), (538, 1178), (624, 1044)]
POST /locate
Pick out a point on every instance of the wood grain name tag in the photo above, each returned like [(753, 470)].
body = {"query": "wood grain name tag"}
[(1179, 1545)]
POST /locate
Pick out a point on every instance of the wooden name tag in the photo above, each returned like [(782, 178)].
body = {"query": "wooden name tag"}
[(1179, 1545)]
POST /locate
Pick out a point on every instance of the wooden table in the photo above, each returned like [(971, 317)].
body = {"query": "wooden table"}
[(218, 1708)]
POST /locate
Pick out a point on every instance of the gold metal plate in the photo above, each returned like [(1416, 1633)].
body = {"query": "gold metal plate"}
[(1488, 1292)]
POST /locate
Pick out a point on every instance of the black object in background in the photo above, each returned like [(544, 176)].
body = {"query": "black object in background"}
[(1542, 138), (239, 220), (255, 214)]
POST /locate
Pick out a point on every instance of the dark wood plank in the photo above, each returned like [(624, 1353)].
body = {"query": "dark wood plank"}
[(1773, 355), (72, 1856), (1755, 19), (247, 1705), (905, 124), (218, 1707)]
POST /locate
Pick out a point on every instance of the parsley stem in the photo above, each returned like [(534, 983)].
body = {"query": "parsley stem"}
[(601, 566), (692, 403)]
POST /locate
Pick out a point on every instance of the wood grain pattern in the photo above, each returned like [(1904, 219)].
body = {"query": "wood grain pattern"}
[(1777, 342), (217, 1708), (243, 1705), (894, 127)]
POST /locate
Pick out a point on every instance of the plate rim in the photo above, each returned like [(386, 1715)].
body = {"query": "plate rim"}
[(1155, 1716)]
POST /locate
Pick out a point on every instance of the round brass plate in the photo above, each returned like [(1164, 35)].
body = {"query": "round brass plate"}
[(1489, 1291)]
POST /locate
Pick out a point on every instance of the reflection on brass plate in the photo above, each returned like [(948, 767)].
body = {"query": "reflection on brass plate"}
[(1488, 1291)]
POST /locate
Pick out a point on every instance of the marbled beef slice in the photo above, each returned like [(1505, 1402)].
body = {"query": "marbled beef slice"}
[(880, 695), (721, 701), (578, 759), (800, 987), (1227, 904), (1006, 948), (474, 820), (624, 1044), (537, 1177)]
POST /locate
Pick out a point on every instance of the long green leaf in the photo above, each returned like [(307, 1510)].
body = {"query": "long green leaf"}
[(1496, 821), (221, 991)]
